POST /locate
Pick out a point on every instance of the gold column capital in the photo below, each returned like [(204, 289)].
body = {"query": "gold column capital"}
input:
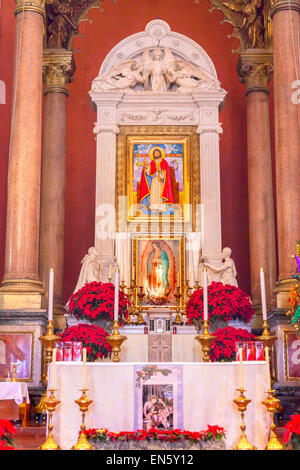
[(254, 69), (36, 6), (58, 70), (281, 5)]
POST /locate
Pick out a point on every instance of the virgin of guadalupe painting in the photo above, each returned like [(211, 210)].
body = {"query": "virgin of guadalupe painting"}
[(158, 183), (158, 261)]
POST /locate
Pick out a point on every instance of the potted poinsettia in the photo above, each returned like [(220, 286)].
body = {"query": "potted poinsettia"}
[(92, 337), (292, 434), (94, 303), (225, 303), (223, 348), (6, 432)]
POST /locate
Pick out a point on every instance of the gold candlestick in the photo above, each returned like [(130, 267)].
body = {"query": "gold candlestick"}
[(242, 402), (48, 341), (268, 339), (50, 403), (131, 290), (122, 286), (140, 319), (272, 404), (116, 340), (83, 402), (14, 371), (206, 339), (178, 319)]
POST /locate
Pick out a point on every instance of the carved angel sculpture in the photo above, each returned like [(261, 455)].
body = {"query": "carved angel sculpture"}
[(122, 76), (156, 74), (252, 23), (190, 76)]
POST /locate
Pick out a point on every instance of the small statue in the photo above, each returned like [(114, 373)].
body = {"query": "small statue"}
[(90, 270), (227, 272)]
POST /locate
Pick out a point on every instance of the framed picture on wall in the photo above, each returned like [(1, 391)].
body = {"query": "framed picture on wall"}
[(158, 178), (16, 348), (158, 264), (291, 355)]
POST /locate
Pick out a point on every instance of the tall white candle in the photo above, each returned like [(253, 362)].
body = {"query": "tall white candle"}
[(110, 272), (177, 279), (268, 367), (263, 294), (241, 368), (53, 368), (205, 296), (116, 305), (84, 368), (50, 299)]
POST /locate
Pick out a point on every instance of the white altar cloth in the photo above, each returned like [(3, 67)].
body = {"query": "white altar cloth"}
[(208, 391), (14, 391)]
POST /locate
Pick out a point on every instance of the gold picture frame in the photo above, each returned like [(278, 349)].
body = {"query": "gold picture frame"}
[(31, 334), (191, 194), (180, 188), (287, 376), (174, 249)]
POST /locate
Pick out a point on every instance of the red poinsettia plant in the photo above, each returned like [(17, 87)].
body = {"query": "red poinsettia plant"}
[(103, 435), (95, 300), (223, 348), (92, 337), (225, 302), (6, 432), (292, 434)]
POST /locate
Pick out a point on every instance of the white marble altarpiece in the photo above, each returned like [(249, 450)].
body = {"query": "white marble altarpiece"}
[(158, 98)]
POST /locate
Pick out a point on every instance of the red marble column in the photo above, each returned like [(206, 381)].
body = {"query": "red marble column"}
[(255, 68), (21, 286), (57, 68), (286, 30)]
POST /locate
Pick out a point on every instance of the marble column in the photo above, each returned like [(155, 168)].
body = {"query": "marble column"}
[(255, 67), (21, 287), (58, 71), (106, 130), (286, 27)]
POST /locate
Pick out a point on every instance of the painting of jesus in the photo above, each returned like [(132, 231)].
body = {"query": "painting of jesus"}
[(158, 182)]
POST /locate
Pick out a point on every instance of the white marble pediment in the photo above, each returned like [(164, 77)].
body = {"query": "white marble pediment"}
[(156, 60)]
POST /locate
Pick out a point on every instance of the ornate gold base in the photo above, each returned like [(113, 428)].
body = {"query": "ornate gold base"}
[(177, 320), (40, 408), (116, 340), (206, 339), (243, 443), (82, 443), (49, 444), (140, 320)]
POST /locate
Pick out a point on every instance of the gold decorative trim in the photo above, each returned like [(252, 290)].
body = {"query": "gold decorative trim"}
[(286, 368), (26, 332), (134, 266), (58, 70), (255, 68), (36, 6)]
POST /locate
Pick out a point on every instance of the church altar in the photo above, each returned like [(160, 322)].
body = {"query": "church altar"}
[(203, 394)]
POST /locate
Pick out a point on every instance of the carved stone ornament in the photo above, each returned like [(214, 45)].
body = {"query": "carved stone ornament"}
[(157, 71), (37, 6), (255, 68), (58, 70)]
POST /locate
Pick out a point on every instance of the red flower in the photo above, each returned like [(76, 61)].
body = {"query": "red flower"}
[(96, 299), (223, 348), (224, 301), (91, 336), (292, 427)]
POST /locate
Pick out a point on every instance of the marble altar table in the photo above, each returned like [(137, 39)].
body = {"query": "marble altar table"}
[(205, 395)]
